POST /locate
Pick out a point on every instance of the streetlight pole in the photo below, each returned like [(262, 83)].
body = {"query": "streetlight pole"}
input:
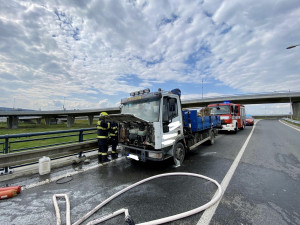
[(292, 46), (64, 104), (291, 108)]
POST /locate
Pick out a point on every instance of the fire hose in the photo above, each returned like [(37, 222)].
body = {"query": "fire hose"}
[(128, 219)]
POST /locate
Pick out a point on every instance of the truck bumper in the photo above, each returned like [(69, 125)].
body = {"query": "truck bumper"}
[(227, 128), (143, 155)]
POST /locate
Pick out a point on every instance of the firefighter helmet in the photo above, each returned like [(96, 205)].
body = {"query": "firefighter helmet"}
[(103, 114)]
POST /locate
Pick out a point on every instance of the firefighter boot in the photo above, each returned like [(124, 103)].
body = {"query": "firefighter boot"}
[(99, 158), (105, 159), (114, 155)]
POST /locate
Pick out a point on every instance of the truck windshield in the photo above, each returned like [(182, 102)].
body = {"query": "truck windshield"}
[(222, 109), (147, 110)]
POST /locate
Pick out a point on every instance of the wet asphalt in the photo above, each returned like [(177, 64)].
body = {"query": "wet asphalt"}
[(263, 190)]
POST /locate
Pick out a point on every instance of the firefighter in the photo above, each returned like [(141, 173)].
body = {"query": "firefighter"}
[(103, 127), (113, 134)]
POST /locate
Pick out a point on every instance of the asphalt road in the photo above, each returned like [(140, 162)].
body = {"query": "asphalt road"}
[(264, 188)]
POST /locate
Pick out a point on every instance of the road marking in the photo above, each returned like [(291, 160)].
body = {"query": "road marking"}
[(285, 123), (208, 213)]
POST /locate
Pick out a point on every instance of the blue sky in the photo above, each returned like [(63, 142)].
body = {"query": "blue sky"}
[(90, 54)]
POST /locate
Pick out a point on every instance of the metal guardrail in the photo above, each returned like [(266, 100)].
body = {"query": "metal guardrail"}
[(32, 156), (9, 139), (20, 156), (293, 121)]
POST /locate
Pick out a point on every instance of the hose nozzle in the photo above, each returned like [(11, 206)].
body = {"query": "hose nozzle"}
[(129, 220)]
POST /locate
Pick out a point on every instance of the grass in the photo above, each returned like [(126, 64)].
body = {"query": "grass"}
[(18, 143), (296, 124)]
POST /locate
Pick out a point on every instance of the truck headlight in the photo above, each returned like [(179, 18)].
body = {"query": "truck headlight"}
[(154, 155)]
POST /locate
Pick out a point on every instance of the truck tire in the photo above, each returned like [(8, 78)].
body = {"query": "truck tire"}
[(178, 154), (235, 129), (242, 127)]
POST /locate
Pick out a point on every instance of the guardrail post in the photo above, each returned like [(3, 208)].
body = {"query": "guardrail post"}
[(6, 146), (80, 136), (80, 139), (7, 170), (6, 152)]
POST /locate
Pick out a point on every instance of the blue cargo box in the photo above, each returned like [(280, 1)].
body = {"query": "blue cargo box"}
[(198, 123)]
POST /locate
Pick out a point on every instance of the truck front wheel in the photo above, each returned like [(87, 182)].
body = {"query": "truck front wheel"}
[(178, 154), (235, 129)]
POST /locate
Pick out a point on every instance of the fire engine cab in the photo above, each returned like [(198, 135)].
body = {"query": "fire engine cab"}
[(233, 116)]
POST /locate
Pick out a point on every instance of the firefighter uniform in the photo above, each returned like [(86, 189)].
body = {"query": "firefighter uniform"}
[(103, 127), (113, 134)]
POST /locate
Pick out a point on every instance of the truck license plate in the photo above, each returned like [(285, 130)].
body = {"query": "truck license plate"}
[(131, 156)]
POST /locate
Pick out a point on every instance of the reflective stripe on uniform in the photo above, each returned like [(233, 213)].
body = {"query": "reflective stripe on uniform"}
[(113, 152), (104, 153), (102, 137), (102, 128)]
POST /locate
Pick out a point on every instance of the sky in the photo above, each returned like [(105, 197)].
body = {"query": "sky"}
[(90, 54)]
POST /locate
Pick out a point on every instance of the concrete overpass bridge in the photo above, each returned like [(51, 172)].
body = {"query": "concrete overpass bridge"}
[(70, 115), (286, 97)]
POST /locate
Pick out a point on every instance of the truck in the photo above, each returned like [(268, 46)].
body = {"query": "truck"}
[(153, 126), (233, 116)]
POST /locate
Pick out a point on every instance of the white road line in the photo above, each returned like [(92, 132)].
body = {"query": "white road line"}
[(285, 123), (208, 213)]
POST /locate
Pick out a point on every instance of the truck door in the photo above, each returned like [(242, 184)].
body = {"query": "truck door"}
[(171, 121), (237, 115)]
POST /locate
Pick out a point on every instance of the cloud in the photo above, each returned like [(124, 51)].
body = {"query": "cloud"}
[(86, 50)]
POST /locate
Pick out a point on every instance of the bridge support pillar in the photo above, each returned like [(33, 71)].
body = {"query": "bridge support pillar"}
[(296, 110), (91, 118), (12, 122), (47, 120), (38, 121), (70, 121)]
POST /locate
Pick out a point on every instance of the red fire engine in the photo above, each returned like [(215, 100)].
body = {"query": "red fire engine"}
[(233, 116)]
